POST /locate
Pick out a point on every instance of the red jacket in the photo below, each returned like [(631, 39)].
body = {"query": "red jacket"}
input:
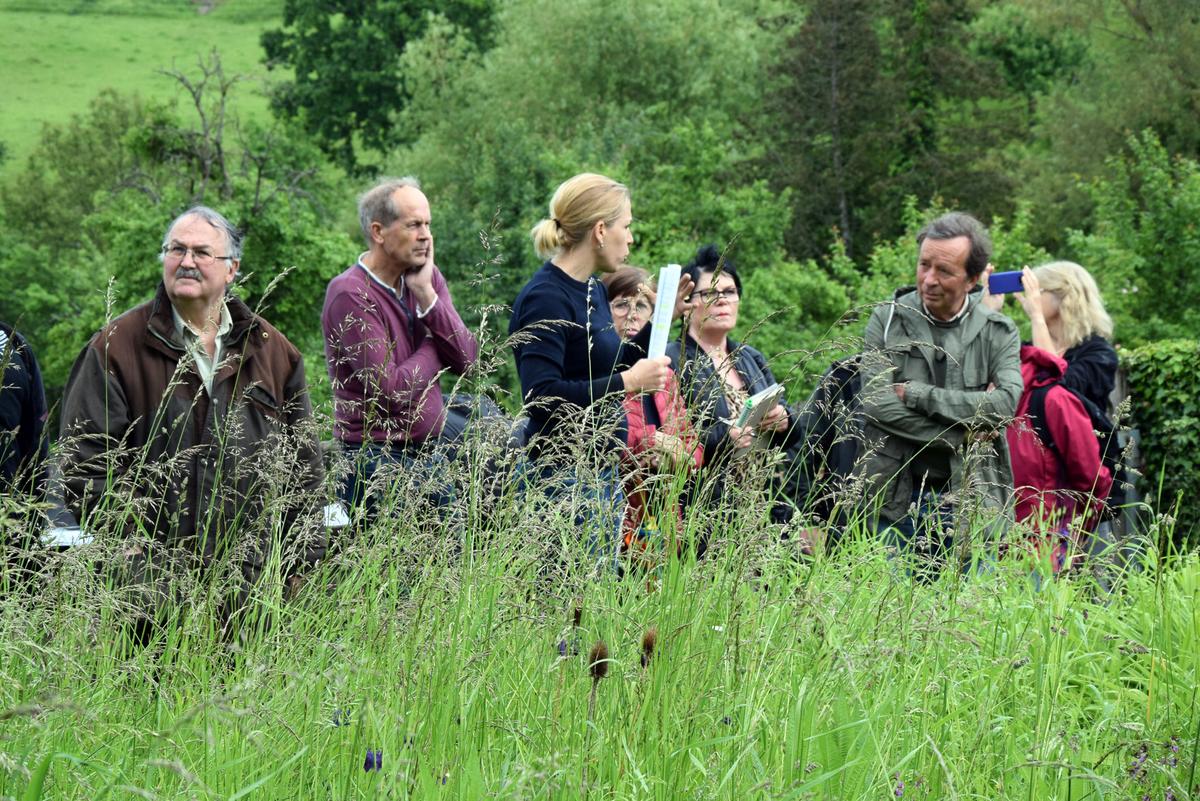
[(673, 415), (1052, 489)]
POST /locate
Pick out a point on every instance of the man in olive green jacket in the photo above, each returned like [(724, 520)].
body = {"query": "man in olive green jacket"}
[(942, 376)]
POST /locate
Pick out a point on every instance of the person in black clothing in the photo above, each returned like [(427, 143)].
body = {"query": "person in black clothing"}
[(718, 373), (22, 455), (569, 357), (22, 418)]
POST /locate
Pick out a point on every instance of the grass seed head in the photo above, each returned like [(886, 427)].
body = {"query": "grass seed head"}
[(598, 660), (649, 640)]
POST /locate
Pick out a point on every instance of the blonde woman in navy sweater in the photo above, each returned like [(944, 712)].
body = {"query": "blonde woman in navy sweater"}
[(571, 358)]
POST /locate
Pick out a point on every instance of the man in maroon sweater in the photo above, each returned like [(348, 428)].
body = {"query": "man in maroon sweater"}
[(390, 331)]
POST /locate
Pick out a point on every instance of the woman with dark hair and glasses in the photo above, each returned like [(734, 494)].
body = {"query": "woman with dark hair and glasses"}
[(662, 448), (717, 374)]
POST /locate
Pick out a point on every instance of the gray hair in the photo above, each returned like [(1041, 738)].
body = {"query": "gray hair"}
[(233, 237), (954, 225), (375, 205)]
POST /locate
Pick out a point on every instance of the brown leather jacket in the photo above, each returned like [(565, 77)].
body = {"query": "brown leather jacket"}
[(147, 452)]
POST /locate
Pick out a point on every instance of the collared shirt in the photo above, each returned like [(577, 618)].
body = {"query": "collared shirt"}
[(953, 320), (399, 296), (205, 366)]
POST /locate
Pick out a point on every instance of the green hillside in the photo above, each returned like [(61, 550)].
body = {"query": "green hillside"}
[(55, 56)]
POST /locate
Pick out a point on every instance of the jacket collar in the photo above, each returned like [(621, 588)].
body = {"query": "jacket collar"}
[(161, 329)]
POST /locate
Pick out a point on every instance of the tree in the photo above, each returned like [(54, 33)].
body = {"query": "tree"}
[(346, 58), (91, 204), (1142, 70), (1144, 245), (872, 106), (833, 100)]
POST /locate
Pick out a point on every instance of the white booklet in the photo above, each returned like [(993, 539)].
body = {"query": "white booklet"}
[(664, 310)]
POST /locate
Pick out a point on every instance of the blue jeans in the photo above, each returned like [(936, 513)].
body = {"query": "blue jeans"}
[(923, 537), (369, 458), (601, 506)]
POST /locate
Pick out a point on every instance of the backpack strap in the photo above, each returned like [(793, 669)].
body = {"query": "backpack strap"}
[(1037, 416)]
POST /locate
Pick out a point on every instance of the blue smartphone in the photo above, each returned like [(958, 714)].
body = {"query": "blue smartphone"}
[(1005, 283)]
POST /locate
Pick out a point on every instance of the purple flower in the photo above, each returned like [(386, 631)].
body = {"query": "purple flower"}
[(562, 647), (1136, 770), (374, 761), (1169, 795), (899, 791)]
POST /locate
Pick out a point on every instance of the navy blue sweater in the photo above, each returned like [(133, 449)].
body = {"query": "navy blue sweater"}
[(572, 354)]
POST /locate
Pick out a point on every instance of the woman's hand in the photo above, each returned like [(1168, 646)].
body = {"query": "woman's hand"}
[(1031, 296), (683, 298), (774, 420), (647, 375), (741, 437), (667, 452)]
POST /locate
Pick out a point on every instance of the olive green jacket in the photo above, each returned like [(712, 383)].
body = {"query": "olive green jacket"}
[(967, 416)]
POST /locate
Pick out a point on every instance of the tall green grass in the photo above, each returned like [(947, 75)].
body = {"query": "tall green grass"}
[(455, 643), (438, 644)]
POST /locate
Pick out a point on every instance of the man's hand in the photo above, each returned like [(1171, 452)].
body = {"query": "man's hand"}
[(420, 282), (774, 420), (900, 390), (993, 302)]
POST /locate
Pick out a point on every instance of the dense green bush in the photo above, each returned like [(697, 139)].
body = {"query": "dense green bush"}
[(1163, 380), (1144, 245)]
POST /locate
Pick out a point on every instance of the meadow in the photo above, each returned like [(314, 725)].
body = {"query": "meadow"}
[(458, 658), (56, 56)]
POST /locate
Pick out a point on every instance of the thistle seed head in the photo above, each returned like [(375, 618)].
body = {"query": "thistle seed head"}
[(598, 660), (649, 640)]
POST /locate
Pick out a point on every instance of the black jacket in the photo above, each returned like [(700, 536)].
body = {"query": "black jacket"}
[(704, 394), (1092, 370), (22, 417)]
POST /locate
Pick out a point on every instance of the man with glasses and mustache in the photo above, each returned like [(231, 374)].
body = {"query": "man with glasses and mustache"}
[(391, 330), (187, 435)]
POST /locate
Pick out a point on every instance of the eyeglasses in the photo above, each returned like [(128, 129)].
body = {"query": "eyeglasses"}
[(202, 256), (629, 306), (713, 295)]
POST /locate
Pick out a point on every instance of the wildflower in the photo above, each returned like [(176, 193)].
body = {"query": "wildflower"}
[(649, 640), (341, 717), (899, 791), (374, 761), (1169, 795), (1137, 769), (562, 648)]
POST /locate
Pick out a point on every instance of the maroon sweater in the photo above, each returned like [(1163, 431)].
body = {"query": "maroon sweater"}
[(384, 362)]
